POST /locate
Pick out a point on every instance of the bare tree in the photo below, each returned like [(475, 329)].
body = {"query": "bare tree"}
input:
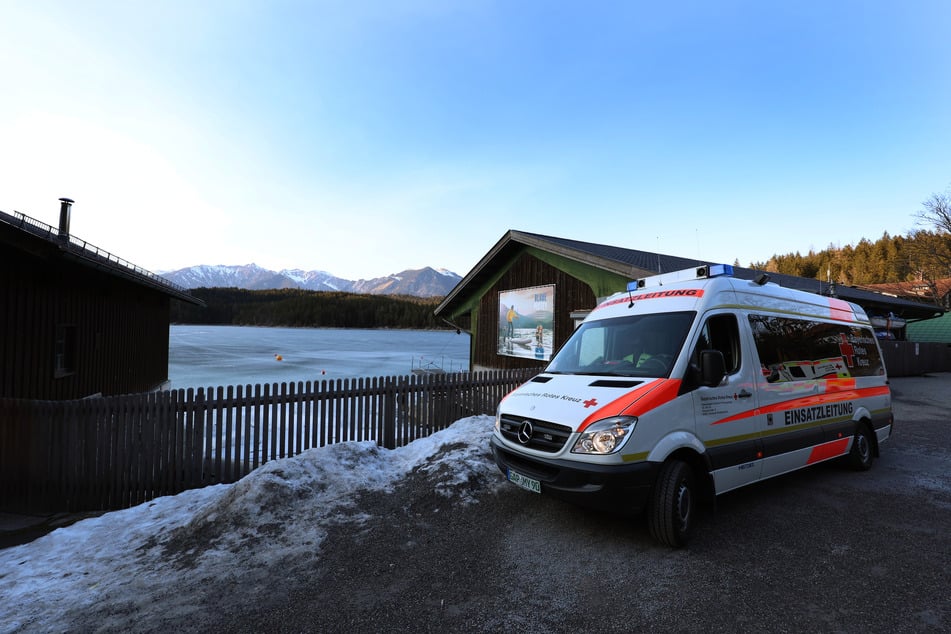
[(931, 249), (936, 212)]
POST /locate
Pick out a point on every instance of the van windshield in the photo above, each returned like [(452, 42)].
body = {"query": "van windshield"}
[(639, 345)]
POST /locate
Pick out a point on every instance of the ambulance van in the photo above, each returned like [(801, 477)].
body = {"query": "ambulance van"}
[(692, 384)]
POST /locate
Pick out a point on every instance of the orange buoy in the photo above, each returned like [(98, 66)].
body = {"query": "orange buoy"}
[(278, 357)]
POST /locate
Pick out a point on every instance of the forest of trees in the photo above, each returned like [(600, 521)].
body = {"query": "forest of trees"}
[(888, 259), (302, 308), (922, 255)]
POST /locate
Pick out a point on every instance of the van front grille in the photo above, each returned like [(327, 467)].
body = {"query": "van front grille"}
[(535, 434)]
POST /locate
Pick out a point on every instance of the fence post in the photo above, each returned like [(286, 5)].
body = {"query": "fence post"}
[(389, 413)]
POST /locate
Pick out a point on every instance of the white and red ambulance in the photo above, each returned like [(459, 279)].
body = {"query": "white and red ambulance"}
[(691, 384)]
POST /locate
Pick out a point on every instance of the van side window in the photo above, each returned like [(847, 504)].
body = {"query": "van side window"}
[(720, 332), (800, 350)]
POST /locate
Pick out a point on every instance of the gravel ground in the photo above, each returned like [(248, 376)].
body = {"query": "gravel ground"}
[(821, 550)]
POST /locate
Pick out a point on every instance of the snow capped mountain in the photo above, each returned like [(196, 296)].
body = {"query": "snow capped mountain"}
[(249, 276), (316, 280), (426, 282)]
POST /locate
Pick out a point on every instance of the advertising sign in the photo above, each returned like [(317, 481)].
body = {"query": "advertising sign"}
[(526, 322)]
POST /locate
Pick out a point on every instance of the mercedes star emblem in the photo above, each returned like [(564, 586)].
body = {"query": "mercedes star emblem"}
[(525, 433)]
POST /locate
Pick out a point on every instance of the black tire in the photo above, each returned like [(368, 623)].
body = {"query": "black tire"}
[(673, 504), (863, 451)]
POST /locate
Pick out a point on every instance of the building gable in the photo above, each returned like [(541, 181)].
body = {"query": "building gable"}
[(581, 273)]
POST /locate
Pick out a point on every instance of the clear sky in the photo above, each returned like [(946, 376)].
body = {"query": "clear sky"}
[(366, 137)]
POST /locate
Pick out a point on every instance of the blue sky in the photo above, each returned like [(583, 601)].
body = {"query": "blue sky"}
[(363, 138)]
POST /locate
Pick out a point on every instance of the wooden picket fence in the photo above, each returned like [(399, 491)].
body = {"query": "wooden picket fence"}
[(109, 453)]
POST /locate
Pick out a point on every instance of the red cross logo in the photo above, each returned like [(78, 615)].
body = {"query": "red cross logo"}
[(847, 350), (590, 403)]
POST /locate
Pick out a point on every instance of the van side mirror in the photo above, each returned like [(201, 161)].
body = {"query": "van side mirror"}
[(712, 368)]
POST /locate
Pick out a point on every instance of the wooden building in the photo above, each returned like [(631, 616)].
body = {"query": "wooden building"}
[(545, 285), (937, 292), (77, 321)]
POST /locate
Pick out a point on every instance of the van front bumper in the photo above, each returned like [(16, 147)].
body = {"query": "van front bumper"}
[(623, 489)]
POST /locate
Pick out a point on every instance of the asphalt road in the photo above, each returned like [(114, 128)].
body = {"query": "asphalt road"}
[(821, 550)]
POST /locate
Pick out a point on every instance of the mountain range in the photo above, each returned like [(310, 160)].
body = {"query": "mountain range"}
[(426, 282)]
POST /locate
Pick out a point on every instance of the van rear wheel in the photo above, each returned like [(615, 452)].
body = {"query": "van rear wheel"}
[(862, 453), (673, 504)]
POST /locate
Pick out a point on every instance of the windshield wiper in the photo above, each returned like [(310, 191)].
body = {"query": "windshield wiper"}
[(625, 374)]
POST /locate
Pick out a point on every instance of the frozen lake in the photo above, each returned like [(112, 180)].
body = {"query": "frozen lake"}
[(203, 356)]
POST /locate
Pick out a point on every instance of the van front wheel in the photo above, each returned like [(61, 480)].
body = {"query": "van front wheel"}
[(673, 504)]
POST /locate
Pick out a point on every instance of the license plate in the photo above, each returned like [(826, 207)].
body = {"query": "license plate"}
[(529, 484)]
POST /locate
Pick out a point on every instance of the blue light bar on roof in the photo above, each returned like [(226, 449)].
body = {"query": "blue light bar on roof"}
[(698, 273), (719, 269)]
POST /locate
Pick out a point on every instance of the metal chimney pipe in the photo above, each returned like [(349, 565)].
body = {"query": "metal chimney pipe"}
[(65, 204)]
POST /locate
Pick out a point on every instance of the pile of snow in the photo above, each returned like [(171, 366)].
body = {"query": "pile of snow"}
[(277, 513)]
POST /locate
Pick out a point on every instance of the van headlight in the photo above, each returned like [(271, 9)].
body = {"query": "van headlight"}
[(605, 436)]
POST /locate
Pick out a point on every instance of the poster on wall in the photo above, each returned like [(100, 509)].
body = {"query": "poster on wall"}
[(527, 322)]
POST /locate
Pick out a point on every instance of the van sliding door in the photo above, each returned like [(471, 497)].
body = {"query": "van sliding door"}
[(797, 358), (724, 414)]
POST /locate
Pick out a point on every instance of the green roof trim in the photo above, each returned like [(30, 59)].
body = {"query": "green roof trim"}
[(602, 283), (475, 296)]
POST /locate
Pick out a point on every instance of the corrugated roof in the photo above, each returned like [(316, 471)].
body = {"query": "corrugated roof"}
[(933, 330), (641, 260), (633, 264)]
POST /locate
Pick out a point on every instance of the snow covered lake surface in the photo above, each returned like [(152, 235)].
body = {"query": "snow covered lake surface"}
[(180, 547), (202, 356)]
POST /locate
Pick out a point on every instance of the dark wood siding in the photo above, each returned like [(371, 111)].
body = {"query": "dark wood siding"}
[(118, 329), (571, 294)]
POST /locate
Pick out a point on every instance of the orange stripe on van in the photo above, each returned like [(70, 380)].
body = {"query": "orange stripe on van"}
[(810, 401), (840, 309), (882, 390), (832, 396), (839, 384), (828, 450), (637, 402), (665, 392)]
